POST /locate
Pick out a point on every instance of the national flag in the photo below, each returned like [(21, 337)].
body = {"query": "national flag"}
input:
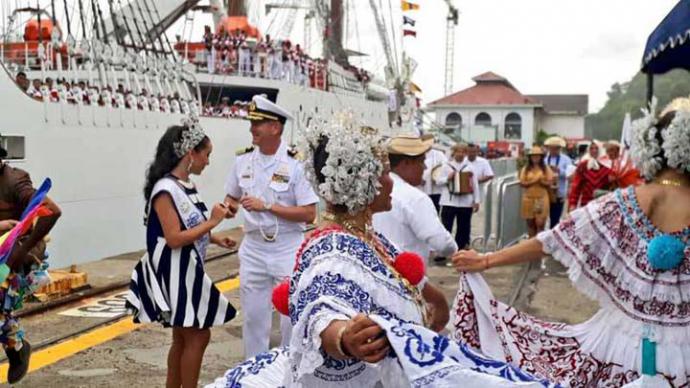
[(407, 6), (33, 211), (409, 33), (408, 20), (414, 88)]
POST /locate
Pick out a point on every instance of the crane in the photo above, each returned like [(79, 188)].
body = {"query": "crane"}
[(451, 22)]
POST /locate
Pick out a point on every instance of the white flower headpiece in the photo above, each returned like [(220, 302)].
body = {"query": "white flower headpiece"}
[(646, 151), (355, 161), (191, 137)]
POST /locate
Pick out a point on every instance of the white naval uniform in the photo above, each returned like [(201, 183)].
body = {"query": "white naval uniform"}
[(413, 224), (276, 179)]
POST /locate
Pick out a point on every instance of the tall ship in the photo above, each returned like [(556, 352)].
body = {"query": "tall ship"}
[(89, 86)]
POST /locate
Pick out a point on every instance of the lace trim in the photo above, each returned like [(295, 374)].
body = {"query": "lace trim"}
[(612, 268)]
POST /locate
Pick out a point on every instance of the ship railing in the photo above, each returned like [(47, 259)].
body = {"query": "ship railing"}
[(111, 76)]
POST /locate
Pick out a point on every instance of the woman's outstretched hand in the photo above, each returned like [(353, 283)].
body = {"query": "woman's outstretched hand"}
[(364, 339), (470, 261)]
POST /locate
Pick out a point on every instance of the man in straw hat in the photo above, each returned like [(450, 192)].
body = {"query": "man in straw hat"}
[(434, 160), (561, 165), (277, 200), (623, 173), (458, 207), (412, 223)]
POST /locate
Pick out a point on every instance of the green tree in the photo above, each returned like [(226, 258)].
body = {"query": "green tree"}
[(631, 97)]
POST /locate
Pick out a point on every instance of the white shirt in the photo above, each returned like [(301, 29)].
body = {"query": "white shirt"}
[(481, 167), (413, 224), (433, 159), (277, 179), (458, 200)]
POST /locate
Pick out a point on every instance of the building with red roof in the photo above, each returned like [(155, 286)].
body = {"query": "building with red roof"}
[(494, 109)]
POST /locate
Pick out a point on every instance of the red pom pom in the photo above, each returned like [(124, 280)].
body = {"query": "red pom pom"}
[(411, 266), (281, 292)]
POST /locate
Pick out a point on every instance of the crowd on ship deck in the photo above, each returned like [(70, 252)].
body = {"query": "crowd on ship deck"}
[(233, 52)]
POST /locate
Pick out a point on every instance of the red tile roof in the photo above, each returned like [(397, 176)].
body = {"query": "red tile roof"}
[(491, 89)]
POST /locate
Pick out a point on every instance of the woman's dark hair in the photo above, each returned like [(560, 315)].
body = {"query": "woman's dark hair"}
[(531, 165), (166, 160), (320, 158)]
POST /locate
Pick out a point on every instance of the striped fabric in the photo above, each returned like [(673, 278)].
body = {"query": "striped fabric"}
[(170, 286)]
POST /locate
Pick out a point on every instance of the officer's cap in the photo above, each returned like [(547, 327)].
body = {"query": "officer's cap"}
[(261, 108)]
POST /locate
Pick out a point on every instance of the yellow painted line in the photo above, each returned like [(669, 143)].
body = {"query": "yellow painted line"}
[(62, 350)]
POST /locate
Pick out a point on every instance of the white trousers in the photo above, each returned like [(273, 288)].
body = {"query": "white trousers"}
[(245, 62), (262, 266)]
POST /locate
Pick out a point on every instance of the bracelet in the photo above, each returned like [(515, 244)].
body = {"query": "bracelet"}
[(486, 262), (339, 343)]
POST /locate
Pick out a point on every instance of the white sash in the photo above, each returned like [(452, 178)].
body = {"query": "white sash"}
[(190, 215)]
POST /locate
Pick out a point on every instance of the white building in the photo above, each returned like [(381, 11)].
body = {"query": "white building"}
[(494, 109)]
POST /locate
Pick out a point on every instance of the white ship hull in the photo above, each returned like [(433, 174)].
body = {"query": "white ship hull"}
[(97, 158)]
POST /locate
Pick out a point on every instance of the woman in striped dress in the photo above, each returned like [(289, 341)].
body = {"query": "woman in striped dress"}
[(169, 284)]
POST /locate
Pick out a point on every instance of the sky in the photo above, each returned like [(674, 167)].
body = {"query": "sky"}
[(540, 46)]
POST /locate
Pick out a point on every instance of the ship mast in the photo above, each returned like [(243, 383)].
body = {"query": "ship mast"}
[(237, 8), (334, 40)]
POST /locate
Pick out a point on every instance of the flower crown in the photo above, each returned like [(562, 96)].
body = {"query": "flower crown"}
[(646, 151), (192, 135), (355, 161)]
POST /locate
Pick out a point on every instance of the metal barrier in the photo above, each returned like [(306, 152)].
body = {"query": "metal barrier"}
[(511, 229), (502, 192)]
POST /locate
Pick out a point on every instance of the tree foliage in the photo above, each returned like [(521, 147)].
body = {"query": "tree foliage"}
[(631, 97)]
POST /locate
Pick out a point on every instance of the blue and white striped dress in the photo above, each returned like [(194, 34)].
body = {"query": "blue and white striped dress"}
[(170, 285)]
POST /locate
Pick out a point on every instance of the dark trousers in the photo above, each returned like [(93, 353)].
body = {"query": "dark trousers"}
[(463, 215), (436, 198), (555, 212)]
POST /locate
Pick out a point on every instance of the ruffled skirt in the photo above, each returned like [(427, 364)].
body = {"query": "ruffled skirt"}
[(601, 352)]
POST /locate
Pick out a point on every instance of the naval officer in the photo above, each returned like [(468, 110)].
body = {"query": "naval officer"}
[(277, 201)]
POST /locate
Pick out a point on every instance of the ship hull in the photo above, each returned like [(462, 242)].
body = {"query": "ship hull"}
[(97, 158)]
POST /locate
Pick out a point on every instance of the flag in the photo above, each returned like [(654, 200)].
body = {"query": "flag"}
[(33, 211), (408, 20), (409, 33), (414, 88), (407, 6)]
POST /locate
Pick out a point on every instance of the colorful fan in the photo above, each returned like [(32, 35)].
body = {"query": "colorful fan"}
[(33, 211)]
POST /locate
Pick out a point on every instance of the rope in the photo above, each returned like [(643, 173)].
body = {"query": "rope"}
[(69, 25), (81, 16)]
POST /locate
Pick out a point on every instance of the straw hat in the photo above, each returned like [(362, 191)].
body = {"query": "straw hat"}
[(555, 141), (428, 138), (535, 150), (612, 143), (408, 145)]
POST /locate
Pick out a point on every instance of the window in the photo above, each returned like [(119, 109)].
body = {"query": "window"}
[(483, 119), (454, 120), (513, 126)]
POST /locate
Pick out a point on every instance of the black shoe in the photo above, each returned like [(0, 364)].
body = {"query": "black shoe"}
[(440, 260), (19, 362)]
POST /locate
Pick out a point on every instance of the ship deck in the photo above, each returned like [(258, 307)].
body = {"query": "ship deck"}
[(90, 342)]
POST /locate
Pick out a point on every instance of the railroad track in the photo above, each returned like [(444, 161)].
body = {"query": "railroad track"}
[(94, 292)]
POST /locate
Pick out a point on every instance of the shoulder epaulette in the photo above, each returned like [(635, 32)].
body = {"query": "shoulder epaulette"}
[(243, 151)]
